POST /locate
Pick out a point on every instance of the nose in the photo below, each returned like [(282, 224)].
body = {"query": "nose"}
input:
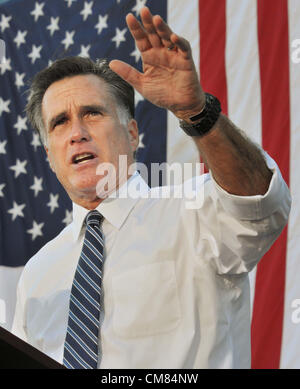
[(78, 133)]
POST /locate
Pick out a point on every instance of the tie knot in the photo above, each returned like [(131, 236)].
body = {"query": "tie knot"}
[(94, 218)]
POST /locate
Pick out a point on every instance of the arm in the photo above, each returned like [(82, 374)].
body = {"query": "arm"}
[(170, 80), (236, 163)]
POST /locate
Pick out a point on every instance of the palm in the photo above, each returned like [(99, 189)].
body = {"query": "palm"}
[(169, 78)]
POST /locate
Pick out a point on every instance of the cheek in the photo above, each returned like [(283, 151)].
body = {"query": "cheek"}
[(52, 163), (119, 142), (55, 157)]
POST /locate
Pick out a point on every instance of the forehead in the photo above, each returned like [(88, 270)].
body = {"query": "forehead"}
[(77, 90)]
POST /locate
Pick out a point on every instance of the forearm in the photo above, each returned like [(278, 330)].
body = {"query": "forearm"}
[(236, 163)]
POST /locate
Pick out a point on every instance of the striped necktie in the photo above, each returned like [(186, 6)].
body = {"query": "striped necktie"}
[(81, 344)]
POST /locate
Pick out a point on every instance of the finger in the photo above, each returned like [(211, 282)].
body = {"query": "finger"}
[(138, 33), (163, 30), (128, 73), (147, 17), (182, 44), (169, 38)]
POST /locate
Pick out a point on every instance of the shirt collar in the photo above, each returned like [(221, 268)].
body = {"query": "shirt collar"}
[(116, 207)]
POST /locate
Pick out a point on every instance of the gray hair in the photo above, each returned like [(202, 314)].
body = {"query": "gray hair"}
[(73, 66)]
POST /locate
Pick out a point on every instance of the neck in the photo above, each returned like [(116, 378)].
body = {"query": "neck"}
[(88, 204), (91, 200)]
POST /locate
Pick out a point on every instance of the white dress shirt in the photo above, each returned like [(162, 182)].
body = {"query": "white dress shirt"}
[(175, 283)]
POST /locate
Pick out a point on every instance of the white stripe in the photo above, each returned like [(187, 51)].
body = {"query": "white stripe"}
[(243, 75), (76, 356), (290, 351), (67, 364), (88, 279), (95, 235), (89, 263), (83, 327), (183, 19), (242, 67), (84, 311), (93, 249), (86, 295), (82, 344)]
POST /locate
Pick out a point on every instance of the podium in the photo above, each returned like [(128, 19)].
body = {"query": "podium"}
[(17, 354)]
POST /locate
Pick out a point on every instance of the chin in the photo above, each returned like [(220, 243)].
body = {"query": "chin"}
[(84, 185)]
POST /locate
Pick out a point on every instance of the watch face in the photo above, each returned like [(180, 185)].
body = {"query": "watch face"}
[(209, 116)]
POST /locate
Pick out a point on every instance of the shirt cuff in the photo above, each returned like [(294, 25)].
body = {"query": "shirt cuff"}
[(258, 206)]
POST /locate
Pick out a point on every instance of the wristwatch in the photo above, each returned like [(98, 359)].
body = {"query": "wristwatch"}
[(205, 120)]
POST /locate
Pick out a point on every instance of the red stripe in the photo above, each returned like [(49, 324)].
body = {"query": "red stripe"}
[(267, 320), (212, 25)]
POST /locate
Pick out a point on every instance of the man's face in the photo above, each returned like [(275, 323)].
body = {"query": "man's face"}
[(83, 131)]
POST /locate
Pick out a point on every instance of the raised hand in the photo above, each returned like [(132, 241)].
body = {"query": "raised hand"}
[(169, 77)]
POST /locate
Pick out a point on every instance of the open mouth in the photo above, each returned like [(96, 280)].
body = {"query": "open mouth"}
[(82, 158)]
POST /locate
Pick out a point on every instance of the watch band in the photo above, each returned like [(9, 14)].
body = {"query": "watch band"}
[(205, 120)]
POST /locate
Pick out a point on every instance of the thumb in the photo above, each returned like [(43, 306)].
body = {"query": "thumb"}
[(128, 73)]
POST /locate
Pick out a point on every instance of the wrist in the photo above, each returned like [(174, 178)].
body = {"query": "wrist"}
[(201, 123), (191, 111)]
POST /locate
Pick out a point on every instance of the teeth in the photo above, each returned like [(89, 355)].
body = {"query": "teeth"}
[(82, 157)]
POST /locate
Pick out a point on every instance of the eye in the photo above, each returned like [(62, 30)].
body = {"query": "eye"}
[(60, 122), (93, 113)]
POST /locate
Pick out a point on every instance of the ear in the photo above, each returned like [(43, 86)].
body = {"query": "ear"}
[(49, 158), (133, 132)]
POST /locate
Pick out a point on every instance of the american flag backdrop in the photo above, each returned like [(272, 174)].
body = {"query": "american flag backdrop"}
[(248, 55)]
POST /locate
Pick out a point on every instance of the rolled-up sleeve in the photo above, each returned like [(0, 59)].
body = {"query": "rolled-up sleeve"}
[(234, 232), (259, 206)]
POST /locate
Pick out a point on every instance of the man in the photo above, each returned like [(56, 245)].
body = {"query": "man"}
[(174, 284)]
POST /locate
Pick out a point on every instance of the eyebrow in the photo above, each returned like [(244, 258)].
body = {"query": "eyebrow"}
[(83, 110)]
